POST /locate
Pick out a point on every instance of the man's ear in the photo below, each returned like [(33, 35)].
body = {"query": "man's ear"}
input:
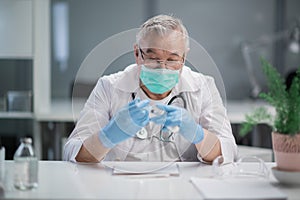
[(136, 53), (136, 50)]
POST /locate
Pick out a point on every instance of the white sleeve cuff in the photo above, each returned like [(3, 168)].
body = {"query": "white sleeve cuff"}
[(71, 149)]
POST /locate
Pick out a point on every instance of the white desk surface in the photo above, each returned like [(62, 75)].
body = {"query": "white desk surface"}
[(65, 180), (65, 111)]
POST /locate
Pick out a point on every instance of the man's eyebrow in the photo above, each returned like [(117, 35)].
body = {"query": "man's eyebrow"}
[(150, 50), (175, 54)]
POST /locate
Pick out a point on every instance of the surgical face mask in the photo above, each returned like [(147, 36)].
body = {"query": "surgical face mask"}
[(159, 81)]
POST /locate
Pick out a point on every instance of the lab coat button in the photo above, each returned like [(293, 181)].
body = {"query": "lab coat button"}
[(142, 134)]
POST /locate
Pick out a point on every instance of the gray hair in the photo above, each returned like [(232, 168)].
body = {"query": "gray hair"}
[(162, 25)]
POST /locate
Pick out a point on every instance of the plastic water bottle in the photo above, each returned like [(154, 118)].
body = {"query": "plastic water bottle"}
[(2, 171), (25, 166), (2, 164)]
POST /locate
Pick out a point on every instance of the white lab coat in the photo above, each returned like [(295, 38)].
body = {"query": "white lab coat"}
[(115, 91)]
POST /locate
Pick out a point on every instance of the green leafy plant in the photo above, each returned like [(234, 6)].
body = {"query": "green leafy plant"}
[(285, 101)]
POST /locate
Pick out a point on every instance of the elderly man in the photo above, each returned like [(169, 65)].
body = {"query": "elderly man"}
[(157, 109)]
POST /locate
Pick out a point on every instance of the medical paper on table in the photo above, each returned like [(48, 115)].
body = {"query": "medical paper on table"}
[(148, 169), (237, 188)]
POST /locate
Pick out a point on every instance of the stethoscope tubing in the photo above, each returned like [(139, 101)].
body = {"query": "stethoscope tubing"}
[(142, 137), (180, 95), (142, 134)]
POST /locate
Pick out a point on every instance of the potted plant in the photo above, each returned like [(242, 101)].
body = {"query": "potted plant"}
[(285, 122)]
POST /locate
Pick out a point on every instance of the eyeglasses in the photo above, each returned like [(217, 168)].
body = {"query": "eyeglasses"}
[(240, 169), (155, 63)]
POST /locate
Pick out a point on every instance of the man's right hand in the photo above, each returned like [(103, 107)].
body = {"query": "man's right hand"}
[(125, 123)]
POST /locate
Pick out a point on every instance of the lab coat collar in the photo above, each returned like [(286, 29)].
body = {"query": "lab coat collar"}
[(129, 80), (189, 81)]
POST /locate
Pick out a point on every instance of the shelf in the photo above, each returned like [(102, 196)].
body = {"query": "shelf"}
[(62, 110), (16, 57), (16, 115), (237, 109)]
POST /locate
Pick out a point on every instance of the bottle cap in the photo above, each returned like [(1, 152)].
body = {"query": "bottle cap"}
[(26, 140)]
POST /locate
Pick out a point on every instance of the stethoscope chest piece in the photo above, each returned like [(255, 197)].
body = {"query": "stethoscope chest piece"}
[(142, 134)]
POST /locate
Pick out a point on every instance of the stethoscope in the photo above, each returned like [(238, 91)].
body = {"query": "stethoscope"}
[(143, 133)]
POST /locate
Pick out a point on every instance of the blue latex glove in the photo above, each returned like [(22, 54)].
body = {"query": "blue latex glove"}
[(176, 116), (126, 123)]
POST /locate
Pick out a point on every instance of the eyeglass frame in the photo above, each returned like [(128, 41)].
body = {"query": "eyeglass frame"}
[(159, 62)]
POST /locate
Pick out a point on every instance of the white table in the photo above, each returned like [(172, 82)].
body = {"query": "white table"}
[(65, 180)]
